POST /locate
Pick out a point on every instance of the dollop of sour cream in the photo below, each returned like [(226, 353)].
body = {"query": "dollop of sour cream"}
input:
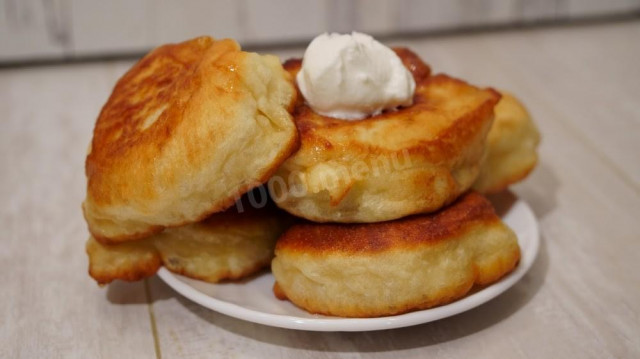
[(353, 76)]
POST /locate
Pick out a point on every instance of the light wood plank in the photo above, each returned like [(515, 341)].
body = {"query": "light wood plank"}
[(112, 27), (32, 29), (55, 29), (49, 307)]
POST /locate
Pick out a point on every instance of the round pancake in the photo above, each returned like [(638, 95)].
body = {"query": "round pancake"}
[(227, 245), (413, 160), (186, 130), (388, 268), (511, 147)]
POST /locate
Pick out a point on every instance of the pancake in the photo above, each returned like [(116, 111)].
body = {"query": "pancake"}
[(414, 160), (185, 131), (511, 147), (388, 268), (227, 245)]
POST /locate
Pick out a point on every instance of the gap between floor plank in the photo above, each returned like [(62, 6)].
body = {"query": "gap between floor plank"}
[(152, 318)]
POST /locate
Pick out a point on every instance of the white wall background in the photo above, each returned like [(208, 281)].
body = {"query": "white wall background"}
[(55, 29)]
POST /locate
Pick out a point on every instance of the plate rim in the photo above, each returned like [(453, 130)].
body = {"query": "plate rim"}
[(336, 324)]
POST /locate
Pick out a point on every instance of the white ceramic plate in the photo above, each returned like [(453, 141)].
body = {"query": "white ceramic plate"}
[(253, 300)]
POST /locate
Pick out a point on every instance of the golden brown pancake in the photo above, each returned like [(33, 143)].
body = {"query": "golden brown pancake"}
[(388, 268), (414, 160), (511, 147), (227, 245), (186, 130)]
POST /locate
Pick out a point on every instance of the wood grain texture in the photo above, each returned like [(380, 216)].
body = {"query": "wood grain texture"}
[(49, 308), (580, 299), (57, 29)]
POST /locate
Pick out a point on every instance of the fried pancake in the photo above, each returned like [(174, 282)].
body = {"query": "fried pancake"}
[(227, 245), (388, 268), (413, 160), (511, 147), (186, 130)]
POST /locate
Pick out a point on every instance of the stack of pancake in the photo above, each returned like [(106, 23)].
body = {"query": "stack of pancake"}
[(389, 212), (186, 131)]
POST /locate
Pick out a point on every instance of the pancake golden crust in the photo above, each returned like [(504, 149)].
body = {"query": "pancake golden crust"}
[(130, 261), (388, 268), (186, 131), (413, 160), (511, 147), (226, 245)]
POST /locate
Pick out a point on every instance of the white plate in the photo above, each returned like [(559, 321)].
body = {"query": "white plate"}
[(253, 300)]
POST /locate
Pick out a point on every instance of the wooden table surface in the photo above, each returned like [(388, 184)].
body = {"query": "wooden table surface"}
[(581, 299)]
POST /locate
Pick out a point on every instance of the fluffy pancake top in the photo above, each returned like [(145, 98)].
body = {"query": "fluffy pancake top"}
[(185, 132), (416, 159), (405, 233), (446, 113)]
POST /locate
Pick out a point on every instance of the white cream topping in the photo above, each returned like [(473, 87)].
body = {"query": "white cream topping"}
[(353, 76)]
